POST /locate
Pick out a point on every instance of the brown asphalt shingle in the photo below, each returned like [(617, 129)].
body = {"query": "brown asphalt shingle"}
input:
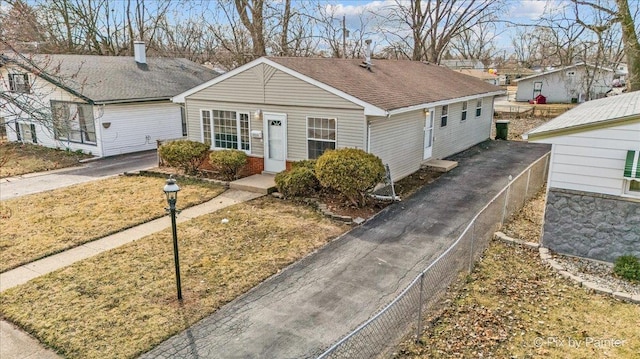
[(392, 84)]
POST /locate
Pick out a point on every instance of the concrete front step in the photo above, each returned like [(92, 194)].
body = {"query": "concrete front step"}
[(441, 165), (261, 183)]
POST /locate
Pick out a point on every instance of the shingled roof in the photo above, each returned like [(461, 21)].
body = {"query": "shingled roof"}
[(592, 113), (113, 79), (391, 84), (390, 87)]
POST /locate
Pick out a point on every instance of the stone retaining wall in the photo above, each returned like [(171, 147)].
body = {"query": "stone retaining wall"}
[(591, 225)]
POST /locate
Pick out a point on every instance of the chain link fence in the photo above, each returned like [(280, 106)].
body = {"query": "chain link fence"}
[(384, 330)]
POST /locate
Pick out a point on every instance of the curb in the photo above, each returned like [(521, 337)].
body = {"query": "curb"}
[(546, 257)]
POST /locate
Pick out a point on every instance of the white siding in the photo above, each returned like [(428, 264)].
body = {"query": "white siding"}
[(592, 161), (459, 135), (42, 93), (137, 127), (558, 87), (351, 129), (399, 142)]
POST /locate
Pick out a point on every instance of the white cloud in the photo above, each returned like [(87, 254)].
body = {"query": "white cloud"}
[(529, 9)]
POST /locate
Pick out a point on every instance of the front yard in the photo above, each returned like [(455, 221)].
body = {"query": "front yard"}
[(42, 224), (17, 158), (122, 303)]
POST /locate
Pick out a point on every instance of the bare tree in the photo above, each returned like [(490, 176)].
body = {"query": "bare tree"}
[(476, 42), (429, 27), (610, 16)]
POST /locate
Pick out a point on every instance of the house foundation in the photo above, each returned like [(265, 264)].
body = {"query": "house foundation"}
[(591, 225)]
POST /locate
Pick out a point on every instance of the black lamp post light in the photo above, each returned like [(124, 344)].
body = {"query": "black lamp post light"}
[(171, 190)]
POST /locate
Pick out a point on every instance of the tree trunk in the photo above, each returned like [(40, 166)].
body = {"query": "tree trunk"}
[(631, 45)]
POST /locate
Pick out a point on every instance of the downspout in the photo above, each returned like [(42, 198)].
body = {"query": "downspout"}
[(368, 136)]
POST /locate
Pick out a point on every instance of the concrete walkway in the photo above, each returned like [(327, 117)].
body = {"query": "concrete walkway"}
[(316, 301), (15, 344)]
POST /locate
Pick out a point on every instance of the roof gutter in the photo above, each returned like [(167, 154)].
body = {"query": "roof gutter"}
[(129, 100), (445, 102)]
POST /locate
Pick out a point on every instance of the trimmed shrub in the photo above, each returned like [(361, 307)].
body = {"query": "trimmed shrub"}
[(350, 171), (184, 154), (627, 267), (228, 163), (310, 164), (298, 182)]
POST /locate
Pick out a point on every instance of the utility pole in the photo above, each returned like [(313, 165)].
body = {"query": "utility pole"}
[(344, 37)]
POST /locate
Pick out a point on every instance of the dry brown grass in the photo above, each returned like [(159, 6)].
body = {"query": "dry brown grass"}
[(17, 158), (123, 302), (527, 223), (513, 306), (41, 224)]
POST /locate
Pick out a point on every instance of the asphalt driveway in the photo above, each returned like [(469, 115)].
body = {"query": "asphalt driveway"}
[(105, 167), (316, 301)]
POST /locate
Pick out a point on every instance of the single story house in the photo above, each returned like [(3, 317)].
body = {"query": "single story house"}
[(593, 199), (280, 110), (103, 105), (570, 84), (490, 78)]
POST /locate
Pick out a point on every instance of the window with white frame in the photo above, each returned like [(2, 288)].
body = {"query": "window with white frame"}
[(479, 107), (206, 127), (463, 117), (74, 122), (183, 120), (19, 83), (321, 135), (632, 187), (226, 129), (444, 116)]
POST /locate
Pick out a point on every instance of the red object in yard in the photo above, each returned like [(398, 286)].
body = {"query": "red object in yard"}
[(541, 100)]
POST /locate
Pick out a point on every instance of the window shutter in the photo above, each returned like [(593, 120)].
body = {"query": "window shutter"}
[(34, 138), (12, 86)]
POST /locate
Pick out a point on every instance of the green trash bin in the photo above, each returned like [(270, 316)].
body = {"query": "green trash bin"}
[(502, 129)]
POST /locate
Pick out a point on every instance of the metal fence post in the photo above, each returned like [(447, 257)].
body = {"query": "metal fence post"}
[(473, 238), (506, 201), (419, 326), (526, 191)]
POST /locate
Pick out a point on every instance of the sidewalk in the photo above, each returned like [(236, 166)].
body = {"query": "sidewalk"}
[(18, 345)]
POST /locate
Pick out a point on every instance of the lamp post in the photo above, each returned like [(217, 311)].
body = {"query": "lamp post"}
[(171, 190)]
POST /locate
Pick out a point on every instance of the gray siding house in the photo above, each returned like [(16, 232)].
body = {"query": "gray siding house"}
[(103, 105), (569, 84), (593, 199), (281, 110)]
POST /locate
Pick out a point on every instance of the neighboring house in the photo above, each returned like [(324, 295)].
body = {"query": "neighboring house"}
[(103, 105), (485, 76), (457, 64), (280, 110), (593, 200), (569, 84)]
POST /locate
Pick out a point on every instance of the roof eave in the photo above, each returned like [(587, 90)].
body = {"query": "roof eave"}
[(539, 136), (444, 102), (130, 100), (369, 109)]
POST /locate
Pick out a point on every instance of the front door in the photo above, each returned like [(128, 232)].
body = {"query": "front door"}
[(428, 134), (537, 89), (275, 147)]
